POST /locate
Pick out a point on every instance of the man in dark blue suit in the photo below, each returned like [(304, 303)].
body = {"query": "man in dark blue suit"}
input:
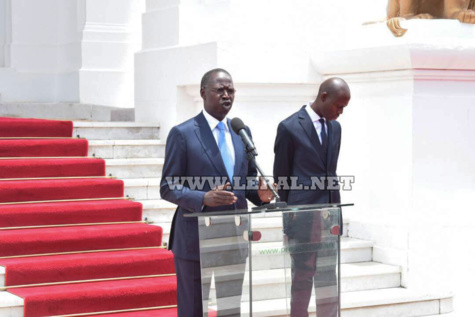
[(204, 146), (307, 146)]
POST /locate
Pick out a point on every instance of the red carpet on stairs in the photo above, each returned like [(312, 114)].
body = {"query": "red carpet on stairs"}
[(62, 239), (59, 189), (41, 150), (75, 267), (21, 127), (43, 147), (98, 296), (70, 212), (73, 167)]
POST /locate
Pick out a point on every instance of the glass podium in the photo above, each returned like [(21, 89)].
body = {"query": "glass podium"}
[(271, 262)]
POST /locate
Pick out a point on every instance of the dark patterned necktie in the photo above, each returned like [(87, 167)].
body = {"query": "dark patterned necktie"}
[(324, 135)]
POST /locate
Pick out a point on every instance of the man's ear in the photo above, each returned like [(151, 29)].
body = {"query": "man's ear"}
[(323, 96), (202, 93)]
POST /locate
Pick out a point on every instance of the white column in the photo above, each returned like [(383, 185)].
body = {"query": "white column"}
[(110, 37), (408, 139), (5, 32), (69, 51), (43, 56)]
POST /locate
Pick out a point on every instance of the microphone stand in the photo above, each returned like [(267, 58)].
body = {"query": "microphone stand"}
[(251, 156)]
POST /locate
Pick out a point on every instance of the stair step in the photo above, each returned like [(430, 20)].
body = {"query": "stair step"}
[(10, 305), (59, 189), (374, 303), (71, 212), (275, 284), (28, 127), (63, 167), (43, 147), (66, 239), (395, 302), (134, 168), (142, 188), (98, 296), (116, 149), (387, 303), (116, 130), (368, 276), (77, 267)]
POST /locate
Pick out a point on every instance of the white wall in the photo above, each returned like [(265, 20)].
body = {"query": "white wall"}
[(258, 42), (407, 138)]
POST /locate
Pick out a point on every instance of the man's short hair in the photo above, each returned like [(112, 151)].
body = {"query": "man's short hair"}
[(207, 75)]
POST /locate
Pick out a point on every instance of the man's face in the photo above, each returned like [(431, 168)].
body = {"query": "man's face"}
[(333, 105), (218, 95)]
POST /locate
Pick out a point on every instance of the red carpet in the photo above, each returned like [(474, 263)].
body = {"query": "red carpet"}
[(47, 158), (20, 127), (59, 189), (17, 168), (98, 296), (43, 147), (52, 240), (75, 267), (69, 213)]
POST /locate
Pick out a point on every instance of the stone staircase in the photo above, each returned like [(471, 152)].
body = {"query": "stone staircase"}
[(134, 153)]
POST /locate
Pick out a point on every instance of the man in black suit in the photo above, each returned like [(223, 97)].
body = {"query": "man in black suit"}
[(205, 147), (307, 146)]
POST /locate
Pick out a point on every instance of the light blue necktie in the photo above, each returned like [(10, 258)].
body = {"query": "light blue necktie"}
[(225, 153)]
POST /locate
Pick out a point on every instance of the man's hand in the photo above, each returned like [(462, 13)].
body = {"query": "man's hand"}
[(264, 192), (219, 197), (466, 16)]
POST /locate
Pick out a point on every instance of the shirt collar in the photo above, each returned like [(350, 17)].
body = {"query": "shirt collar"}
[(213, 122), (313, 115)]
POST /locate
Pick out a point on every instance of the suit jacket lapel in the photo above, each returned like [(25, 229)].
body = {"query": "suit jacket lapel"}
[(309, 128), (206, 138), (238, 149)]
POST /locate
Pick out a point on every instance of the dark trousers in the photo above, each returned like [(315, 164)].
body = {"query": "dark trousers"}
[(188, 274), (306, 273)]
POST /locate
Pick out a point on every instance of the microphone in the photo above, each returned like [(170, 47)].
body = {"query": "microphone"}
[(239, 128)]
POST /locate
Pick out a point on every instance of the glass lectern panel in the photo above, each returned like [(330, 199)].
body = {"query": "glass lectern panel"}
[(312, 267), (273, 262), (223, 255)]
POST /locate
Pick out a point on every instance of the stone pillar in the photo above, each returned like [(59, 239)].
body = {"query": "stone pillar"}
[(5, 32), (110, 37), (69, 51), (408, 139), (43, 57)]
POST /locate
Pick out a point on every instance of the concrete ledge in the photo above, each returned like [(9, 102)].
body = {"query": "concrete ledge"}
[(66, 111)]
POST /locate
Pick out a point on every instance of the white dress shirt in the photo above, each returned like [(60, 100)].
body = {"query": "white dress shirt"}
[(316, 123), (213, 124)]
